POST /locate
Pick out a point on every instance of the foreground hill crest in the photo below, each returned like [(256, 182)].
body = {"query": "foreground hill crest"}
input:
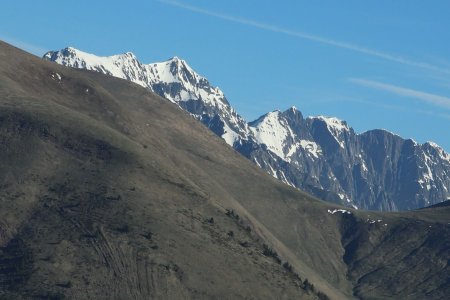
[(322, 155), (111, 192)]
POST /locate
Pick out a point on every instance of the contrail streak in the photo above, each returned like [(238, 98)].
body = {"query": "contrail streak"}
[(404, 92), (307, 36)]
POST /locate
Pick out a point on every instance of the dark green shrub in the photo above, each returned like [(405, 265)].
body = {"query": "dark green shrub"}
[(287, 266)]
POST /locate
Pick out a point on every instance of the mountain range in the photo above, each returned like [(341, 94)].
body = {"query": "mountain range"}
[(375, 170), (109, 191)]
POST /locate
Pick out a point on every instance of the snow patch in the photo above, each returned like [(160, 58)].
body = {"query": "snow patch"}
[(370, 221), (56, 76), (343, 211), (441, 152), (229, 135), (257, 162), (274, 173), (272, 131), (428, 175), (285, 180), (311, 147), (363, 166)]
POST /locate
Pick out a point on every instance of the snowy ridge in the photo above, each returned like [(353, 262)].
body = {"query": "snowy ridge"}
[(335, 126), (442, 154), (194, 86), (124, 66), (173, 79)]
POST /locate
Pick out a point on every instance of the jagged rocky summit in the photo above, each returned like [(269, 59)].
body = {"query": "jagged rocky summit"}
[(375, 170)]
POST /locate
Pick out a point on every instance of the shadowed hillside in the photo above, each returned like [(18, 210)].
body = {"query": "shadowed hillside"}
[(110, 192)]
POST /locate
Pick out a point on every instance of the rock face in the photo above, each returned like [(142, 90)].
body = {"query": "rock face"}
[(375, 170)]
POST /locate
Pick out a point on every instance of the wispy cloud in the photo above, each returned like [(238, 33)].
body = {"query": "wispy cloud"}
[(438, 100), (446, 116), (307, 36), (400, 108)]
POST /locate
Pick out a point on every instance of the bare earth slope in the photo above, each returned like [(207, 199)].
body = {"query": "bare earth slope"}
[(110, 192)]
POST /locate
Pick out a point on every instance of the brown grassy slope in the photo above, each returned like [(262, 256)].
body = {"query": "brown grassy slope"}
[(94, 166), (108, 192)]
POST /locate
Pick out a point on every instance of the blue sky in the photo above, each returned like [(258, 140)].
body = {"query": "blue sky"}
[(375, 64)]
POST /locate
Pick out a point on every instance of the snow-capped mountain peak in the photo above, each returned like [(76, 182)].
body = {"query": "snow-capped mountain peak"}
[(336, 127), (273, 130), (172, 79), (125, 66), (175, 70), (280, 133)]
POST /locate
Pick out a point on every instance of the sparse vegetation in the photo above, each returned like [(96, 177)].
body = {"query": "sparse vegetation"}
[(287, 266), (66, 284), (322, 296), (123, 229), (244, 244), (232, 214), (267, 251), (148, 235), (308, 285)]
